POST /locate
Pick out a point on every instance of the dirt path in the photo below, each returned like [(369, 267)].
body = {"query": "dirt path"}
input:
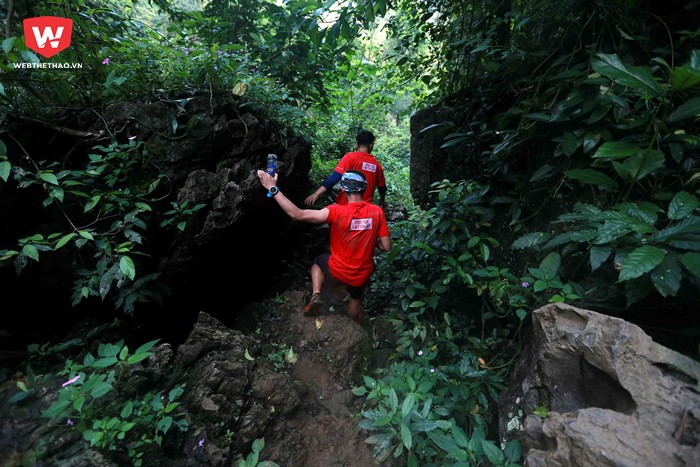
[(330, 353)]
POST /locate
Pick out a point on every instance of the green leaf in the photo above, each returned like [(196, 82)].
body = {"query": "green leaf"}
[(147, 346), (592, 177), (677, 230), (616, 150), (529, 240), (92, 203), (7, 44), (424, 425), (126, 265), (682, 205), (85, 234), (64, 240), (406, 437), (127, 410), (513, 451), (598, 255), (492, 452), (393, 400), (258, 445), (667, 276), (5, 170), (542, 173), (637, 167), (407, 406), (248, 356), (550, 265), (642, 210), (638, 78), (460, 436), (579, 236), (100, 389), (31, 251), (56, 408), (164, 424), (176, 392), (540, 117), (445, 443), (640, 261), (49, 178), (686, 110), (137, 357), (569, 143), (104, 362), (691, 261), (600, 111), (684, 77)]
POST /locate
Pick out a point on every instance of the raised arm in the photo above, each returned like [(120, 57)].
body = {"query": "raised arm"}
[(312, 216)]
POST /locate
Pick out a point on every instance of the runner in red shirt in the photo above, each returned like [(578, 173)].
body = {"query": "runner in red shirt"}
[(363, 161), (356, 228)]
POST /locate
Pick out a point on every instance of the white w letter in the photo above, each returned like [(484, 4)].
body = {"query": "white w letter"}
[(47, 35)]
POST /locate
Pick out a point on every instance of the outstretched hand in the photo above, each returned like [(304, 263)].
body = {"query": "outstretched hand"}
[(311, 199), (266, 180)]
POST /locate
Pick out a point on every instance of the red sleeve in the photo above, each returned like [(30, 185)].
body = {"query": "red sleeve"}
[(332, 211), (383, 228), (343, 164)]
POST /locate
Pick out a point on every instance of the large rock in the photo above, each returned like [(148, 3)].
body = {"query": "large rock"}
[(230, 399), (204, 150), (614, 397)]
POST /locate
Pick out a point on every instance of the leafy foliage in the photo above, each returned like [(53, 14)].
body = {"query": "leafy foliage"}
[(81, 402), (601, 116), (253, 459), (434, 414), (106, 207), (435, 405)]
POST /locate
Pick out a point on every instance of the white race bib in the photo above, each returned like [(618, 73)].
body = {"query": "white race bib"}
[(361, 224), (369, 167)]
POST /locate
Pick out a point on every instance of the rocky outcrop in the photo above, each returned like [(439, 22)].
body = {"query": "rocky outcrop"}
[(430, 162), (612, 396), (204, 150), (292, 389), (239, 389)]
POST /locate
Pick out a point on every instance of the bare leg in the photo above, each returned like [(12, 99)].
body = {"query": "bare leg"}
[(317, 278), (355, 310)]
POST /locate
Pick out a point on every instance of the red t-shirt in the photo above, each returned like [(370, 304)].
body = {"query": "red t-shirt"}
[(354, 228), (369, 166)]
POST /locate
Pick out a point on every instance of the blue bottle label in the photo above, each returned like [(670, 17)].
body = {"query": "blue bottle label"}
[(271, 164)]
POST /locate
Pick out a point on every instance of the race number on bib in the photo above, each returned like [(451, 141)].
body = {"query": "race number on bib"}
[(369, 167), (361, 224)]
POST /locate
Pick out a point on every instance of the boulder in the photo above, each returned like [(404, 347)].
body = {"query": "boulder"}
[(609, 394)]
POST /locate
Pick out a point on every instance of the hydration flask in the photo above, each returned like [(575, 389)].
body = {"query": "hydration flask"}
[(271, 164)]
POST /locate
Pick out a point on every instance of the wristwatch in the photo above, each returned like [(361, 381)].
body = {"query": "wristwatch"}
[(272, 191)]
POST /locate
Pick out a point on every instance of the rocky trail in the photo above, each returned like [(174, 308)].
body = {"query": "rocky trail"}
[(327, 354), (289, 382)]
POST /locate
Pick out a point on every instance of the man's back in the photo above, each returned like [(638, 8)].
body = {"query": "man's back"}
[(354, 228), (369, 166)]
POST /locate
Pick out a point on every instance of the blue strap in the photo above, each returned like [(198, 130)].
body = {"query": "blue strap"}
[(332, 179)]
